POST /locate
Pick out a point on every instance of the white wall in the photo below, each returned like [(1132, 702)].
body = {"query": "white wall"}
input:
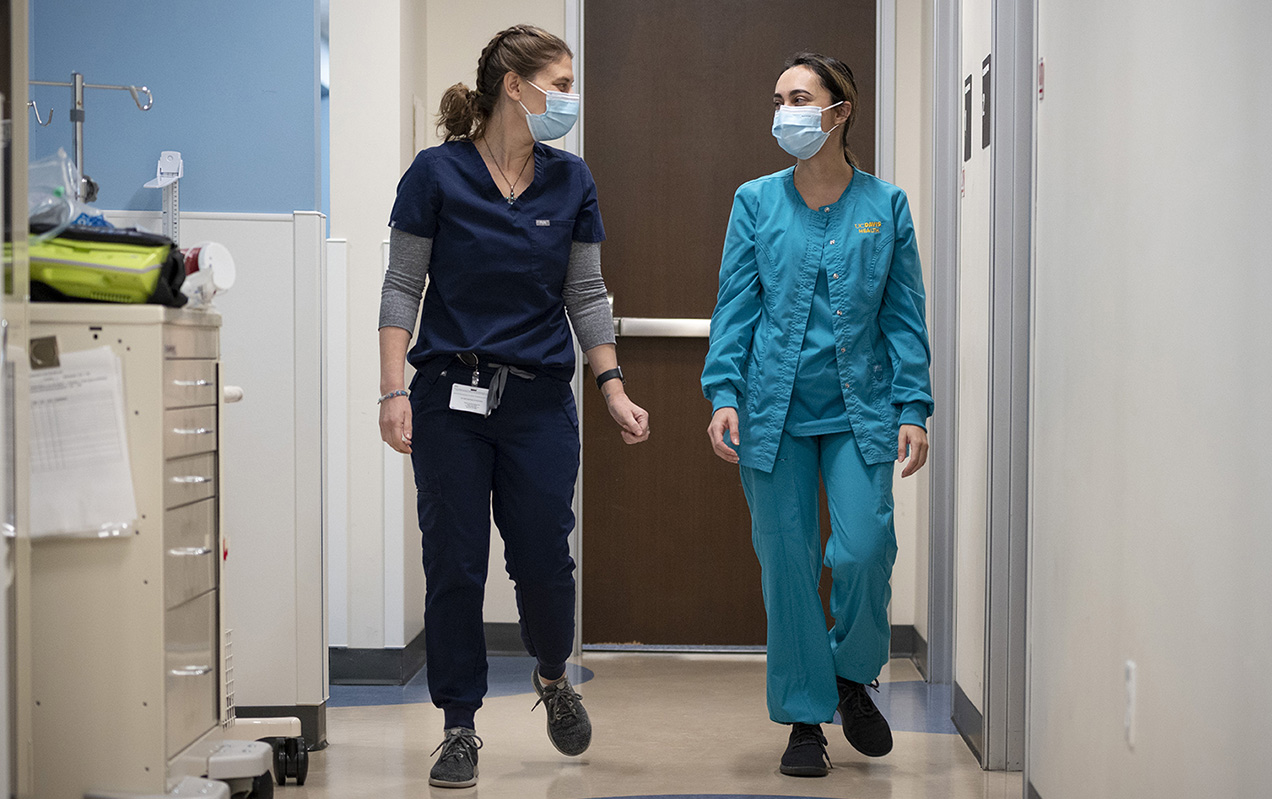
[(1150, 503), (370, 41), (914, 174), (456, 37), (391, 60)]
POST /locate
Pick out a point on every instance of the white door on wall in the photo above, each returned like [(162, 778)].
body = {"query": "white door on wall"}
[(971, 520)]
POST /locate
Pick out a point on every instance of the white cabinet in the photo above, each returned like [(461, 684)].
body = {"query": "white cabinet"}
[(128, 674)]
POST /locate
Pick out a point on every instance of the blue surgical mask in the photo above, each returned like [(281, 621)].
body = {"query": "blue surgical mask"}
[(557, 120), (798, 129)]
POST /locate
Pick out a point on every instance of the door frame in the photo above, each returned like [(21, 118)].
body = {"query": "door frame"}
[(573, 143), (15, 624), (885, 168), (1012, 90), (997, 735), (946, 162)]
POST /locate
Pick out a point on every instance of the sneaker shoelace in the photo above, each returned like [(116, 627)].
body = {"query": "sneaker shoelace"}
[(458, 746), (560, 700), (809, 735), (858, 701)]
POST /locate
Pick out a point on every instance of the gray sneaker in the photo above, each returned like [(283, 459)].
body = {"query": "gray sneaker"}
[(569, 728), (457, 766)]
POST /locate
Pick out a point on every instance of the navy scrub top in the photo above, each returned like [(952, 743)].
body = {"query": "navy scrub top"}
[(497, 269)]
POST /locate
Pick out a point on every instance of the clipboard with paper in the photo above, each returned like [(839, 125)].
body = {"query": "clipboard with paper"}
[(81, 477)]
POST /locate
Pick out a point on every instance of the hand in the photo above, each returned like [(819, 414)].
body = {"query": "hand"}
[(395, 423), (632, 419), (724, 421), (912, 439)]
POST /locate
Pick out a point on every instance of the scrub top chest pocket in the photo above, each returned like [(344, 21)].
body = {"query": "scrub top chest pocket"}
[(551, 238)]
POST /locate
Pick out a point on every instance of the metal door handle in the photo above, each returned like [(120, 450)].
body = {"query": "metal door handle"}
[(191, 671), (191, 383), (190, 552), (192, 431), (192, 478), (637, 326)]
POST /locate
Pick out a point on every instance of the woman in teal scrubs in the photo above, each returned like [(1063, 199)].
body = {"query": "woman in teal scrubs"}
[(819, 367)]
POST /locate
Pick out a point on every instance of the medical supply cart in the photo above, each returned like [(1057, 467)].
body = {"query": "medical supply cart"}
[(130, 676)]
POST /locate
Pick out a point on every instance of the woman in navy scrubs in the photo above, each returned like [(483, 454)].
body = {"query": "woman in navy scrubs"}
[(507, 231), (818, 369)]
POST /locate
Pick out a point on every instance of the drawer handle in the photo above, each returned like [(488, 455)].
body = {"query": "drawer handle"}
[(191, 383), (191, 671), (192, 431), (192, 478), (190, 552)]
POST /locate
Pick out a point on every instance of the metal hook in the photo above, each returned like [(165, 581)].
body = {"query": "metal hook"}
[(44, 123), (150, 98)]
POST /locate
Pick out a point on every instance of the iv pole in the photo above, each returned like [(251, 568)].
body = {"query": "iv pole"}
[(88, 189)]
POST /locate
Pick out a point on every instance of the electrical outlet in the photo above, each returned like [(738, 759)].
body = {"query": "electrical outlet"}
[(1131, 690)]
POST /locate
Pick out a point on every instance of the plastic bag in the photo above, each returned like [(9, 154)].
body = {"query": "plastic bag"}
[(52, 186)]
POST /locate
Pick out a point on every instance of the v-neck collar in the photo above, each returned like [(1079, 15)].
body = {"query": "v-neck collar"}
[(489, 181)]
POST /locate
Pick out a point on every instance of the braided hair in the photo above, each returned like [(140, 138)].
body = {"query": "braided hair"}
[(523, 50)]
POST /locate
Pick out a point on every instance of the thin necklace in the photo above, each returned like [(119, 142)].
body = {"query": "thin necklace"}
[(512, 197)]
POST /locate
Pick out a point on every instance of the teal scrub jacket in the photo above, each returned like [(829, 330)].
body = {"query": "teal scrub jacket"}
[(773, 250)]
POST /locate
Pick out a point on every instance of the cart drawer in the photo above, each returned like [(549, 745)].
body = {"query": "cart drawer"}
[(190, 556), (189, 479), (188, 383), (180, 341), (191, 692), (189, 431)]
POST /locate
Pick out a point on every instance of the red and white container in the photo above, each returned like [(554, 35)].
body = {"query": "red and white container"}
[(209, 271)]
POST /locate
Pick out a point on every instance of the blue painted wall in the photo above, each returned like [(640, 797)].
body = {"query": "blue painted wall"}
[(236, 92)]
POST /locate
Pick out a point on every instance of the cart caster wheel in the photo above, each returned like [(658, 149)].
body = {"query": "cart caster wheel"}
[(280, 760), (262, 787), (302, 763)]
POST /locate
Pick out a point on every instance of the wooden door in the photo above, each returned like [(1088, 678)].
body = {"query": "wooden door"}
[(677, 114)]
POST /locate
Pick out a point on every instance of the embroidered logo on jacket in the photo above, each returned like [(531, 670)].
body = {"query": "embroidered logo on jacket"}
[(869, 227), (543, 222)]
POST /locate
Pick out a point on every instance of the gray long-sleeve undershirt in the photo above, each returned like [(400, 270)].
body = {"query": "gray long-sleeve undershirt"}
[(583, 293)]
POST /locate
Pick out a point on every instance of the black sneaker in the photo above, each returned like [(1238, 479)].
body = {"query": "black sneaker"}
[(457, 766), (569, 728), (805, 754), (864, 726)]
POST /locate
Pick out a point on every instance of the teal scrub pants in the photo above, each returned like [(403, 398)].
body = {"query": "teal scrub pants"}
[(803, 658)]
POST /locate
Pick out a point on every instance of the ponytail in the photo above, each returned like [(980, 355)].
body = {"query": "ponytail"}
[(458, 113)]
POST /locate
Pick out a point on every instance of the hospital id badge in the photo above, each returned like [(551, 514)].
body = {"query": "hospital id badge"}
[(469, 399)]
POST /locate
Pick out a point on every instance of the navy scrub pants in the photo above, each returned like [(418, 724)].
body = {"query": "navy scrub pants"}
[(521, 461)]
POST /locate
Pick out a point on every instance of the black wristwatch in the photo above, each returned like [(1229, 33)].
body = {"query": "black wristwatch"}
[(610, 375)]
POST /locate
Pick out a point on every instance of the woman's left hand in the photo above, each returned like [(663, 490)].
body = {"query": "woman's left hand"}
[(912, 439), (632, 419)]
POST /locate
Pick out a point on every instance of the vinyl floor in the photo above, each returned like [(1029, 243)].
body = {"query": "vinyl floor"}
[(688, 726)]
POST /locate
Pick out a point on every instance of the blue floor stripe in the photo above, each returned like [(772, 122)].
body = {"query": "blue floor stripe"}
[(713, 796), (915, 706), (676, 648), (910, 706), (508, 676)]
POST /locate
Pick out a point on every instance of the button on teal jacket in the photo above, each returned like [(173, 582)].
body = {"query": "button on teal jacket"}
[(773, 250)]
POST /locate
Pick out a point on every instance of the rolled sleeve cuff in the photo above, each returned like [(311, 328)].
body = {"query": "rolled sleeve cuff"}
[(915, 413)]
